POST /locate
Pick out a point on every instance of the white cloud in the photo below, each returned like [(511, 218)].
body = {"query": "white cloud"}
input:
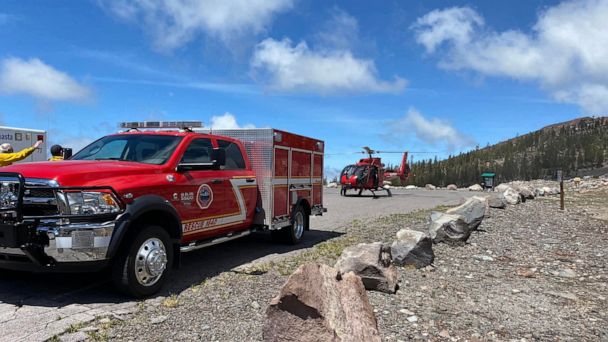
[(227, 121), (298, 68), (340, 32), (566, 52), (177, 22), (35, 78), (432, 131)]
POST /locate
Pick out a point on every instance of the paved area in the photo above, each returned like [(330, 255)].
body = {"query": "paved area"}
[(36, 307)]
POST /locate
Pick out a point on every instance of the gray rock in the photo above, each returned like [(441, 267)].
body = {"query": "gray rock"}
[(317, 304), (502, 187), (511, 196), (448, 228), (565, 295), (497, 201), (452, 187), (430, 187), (473, 211), (412, 248), (158, 319), (410, 187), (475, 187), (539, 192), (372, 262), (482, 257), (526, 192)]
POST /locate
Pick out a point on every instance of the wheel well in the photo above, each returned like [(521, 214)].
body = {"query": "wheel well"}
[(160, 218)]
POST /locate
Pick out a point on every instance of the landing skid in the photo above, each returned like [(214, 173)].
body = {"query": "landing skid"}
[(360, 191)]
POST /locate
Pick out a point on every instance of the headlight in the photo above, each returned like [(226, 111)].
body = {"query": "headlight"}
[(9, 195), (91, 203)]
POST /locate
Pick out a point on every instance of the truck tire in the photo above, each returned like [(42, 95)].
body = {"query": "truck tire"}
[(293, 233), (142, 267)]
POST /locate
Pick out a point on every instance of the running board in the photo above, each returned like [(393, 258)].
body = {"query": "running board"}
[(206, 243)]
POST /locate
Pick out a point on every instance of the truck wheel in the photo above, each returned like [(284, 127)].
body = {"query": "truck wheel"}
[(293, 234), (141, 269)]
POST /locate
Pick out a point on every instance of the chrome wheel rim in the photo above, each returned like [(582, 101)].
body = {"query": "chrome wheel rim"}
[(298, 225), (150, 262)]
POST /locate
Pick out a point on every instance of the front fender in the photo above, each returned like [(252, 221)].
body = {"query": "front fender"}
[(136, 211)]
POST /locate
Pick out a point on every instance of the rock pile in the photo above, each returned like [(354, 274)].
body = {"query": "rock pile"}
[(320, 302)]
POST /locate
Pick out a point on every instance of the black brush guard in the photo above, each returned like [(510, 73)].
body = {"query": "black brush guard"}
[(19, 231)]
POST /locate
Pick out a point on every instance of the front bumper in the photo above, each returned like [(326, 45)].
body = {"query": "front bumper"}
[(37, 226), (50, 243)]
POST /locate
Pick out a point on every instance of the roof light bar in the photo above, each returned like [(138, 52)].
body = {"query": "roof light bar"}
[(161, 124)]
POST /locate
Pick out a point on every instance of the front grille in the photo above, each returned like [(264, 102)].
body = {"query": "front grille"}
[(39, 202), (39, 193)]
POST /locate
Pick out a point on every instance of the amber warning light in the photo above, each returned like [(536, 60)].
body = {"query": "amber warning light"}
[(162, 124)]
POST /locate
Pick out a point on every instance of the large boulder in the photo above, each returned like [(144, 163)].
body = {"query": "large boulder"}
[(475, 187), (412, 248), (497, 201), (473, 211), (319, 304), (430, 187), (511, 196), (371, 262), (410, 187), (526, 192), (452, 187), (547, 190), (449, 228), (502, 187)]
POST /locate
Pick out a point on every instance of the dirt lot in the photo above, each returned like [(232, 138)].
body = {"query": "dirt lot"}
[(532, 272)]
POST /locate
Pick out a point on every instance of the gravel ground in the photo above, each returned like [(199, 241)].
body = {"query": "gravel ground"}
[(532, 272)]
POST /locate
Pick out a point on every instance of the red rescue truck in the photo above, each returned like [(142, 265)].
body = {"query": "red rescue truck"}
[(136, 200)]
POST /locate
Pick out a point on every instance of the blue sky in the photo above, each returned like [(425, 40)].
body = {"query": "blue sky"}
[(396, 75)]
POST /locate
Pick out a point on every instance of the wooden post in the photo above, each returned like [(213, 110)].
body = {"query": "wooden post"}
[(561, 195), (560, 179)]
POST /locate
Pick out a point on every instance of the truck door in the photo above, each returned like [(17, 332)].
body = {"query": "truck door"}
[(202, 195), (241, 180)]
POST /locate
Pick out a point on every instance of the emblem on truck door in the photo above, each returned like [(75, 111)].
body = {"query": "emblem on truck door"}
[(204, 198)]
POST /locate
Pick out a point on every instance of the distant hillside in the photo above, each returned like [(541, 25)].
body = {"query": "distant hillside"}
[(577, 147)]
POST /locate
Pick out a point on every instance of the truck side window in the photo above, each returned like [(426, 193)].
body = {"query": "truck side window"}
[(199, 151), (234, 157)]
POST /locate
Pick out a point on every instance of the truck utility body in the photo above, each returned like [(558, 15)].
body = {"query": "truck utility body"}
[(137, 199), (21, 138)]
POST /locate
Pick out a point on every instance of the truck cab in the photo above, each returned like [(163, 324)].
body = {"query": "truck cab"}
[(134, 201)]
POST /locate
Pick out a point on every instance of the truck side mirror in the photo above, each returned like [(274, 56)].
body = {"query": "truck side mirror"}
[(218, 157)]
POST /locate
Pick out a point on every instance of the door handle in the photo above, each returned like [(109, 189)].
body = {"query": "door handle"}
[(217, 181), (250, 180)]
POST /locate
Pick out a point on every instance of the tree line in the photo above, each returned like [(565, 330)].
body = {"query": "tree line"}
[(572, 147)]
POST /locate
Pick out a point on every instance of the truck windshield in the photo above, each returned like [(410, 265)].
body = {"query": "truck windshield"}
[(149, 149)]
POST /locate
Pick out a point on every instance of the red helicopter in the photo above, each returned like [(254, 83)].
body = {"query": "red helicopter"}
[(369, 174)]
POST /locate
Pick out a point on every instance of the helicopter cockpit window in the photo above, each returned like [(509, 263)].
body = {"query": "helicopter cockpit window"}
[(348, 171)]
